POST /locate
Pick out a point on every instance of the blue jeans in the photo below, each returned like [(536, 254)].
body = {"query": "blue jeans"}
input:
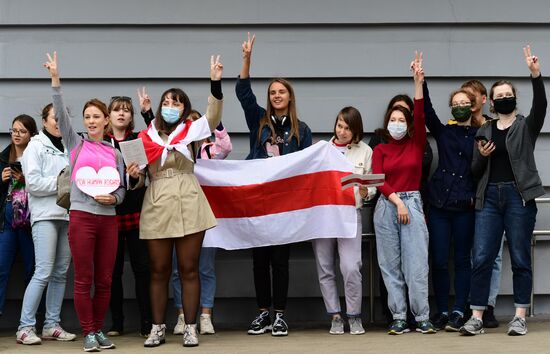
[(445, 227), (207, 275), (403, 256), (53, 257), (495, 278), (503, 211), (12, 241)]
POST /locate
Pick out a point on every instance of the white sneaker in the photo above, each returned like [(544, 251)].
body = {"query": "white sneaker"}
[(57, 333), (190, 338), (27, 335), (206, 324), (180, 326)]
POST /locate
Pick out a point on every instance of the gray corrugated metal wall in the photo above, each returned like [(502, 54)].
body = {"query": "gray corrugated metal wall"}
[(350, 52)]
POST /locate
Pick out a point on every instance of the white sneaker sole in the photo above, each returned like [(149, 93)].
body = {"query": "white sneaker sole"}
[(260, 331)]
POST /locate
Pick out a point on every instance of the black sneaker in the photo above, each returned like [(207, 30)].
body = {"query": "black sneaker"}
[(280, 328), (261, 324), (456, 320), (440, 320), (425, 327), (398, 327), (489, 320)]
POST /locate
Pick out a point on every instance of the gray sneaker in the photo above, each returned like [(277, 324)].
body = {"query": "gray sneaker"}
[(104, 341), (517, 327), (337, 326), (355, 325), (472, 327), (91, 344)]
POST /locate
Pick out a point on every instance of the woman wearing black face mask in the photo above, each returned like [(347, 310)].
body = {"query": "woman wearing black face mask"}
[(508, 183), (451, 193)]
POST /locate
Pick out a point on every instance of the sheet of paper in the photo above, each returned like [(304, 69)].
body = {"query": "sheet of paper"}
[(362, 180), (133, 151)]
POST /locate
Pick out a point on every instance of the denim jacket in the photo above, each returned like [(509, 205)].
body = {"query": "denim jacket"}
[(254, 113)]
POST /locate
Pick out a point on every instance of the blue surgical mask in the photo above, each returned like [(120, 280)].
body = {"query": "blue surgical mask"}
[(170, 115)]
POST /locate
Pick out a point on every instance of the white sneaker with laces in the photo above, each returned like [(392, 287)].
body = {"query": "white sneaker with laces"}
[(206, 324), (178, 329), (57, 333), (27, 335)]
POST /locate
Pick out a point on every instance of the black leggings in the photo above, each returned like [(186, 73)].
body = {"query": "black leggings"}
[(139, 259), (276, 258)]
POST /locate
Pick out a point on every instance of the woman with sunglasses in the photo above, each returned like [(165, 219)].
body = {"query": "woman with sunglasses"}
[(120, 129)]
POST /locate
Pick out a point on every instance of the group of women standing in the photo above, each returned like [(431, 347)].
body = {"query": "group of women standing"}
[(484, 185)]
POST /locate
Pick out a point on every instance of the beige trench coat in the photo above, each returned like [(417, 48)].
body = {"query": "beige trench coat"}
[(174, 204)]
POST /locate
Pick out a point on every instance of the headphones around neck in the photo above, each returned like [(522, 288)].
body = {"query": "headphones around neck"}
[(279, 121)]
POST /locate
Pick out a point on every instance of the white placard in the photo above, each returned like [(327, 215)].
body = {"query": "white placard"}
[(363, 180), (93, 183), (133, 151)]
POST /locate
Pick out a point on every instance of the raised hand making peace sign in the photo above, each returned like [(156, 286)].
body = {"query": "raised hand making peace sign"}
[(51, 65), (216, 68), (532, 61)]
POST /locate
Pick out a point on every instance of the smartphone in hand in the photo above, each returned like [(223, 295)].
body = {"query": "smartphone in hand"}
[(16, 166), (482, 139)]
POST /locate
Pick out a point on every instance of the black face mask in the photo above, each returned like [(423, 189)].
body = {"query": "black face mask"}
[(504, 105)]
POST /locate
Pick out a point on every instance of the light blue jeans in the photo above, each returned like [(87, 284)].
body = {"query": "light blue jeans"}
[(403, 256), (207, 276), (52, 257)]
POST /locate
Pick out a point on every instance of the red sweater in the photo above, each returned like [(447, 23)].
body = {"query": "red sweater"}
[(401, 160)]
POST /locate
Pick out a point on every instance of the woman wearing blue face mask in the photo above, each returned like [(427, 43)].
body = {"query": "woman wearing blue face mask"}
[(175, 211)]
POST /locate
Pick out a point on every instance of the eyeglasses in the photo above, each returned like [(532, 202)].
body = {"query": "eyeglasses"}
[(121, 98), (19, 132), (461, 104)]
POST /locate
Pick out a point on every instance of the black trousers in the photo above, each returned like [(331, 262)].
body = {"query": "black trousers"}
[(139, 260), (271, 271)]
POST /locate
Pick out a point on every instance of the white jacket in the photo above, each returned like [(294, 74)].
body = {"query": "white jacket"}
[(41, 163), (360, 156)]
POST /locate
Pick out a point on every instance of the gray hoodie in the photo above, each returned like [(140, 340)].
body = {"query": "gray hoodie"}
[(80, 200)]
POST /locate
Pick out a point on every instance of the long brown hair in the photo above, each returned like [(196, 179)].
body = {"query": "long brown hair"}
[(177, 95), (292, 114), (30, 124)]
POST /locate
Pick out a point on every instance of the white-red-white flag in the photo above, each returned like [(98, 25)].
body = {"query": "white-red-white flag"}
[(280, 200)]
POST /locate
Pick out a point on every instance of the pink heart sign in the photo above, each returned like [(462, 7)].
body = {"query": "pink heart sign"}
[(93, 183)]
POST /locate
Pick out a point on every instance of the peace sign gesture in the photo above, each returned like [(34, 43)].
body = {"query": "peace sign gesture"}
[(51, 65), (532, 61), (216, 68), (144, 100), (416, 68), (247, 46)]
